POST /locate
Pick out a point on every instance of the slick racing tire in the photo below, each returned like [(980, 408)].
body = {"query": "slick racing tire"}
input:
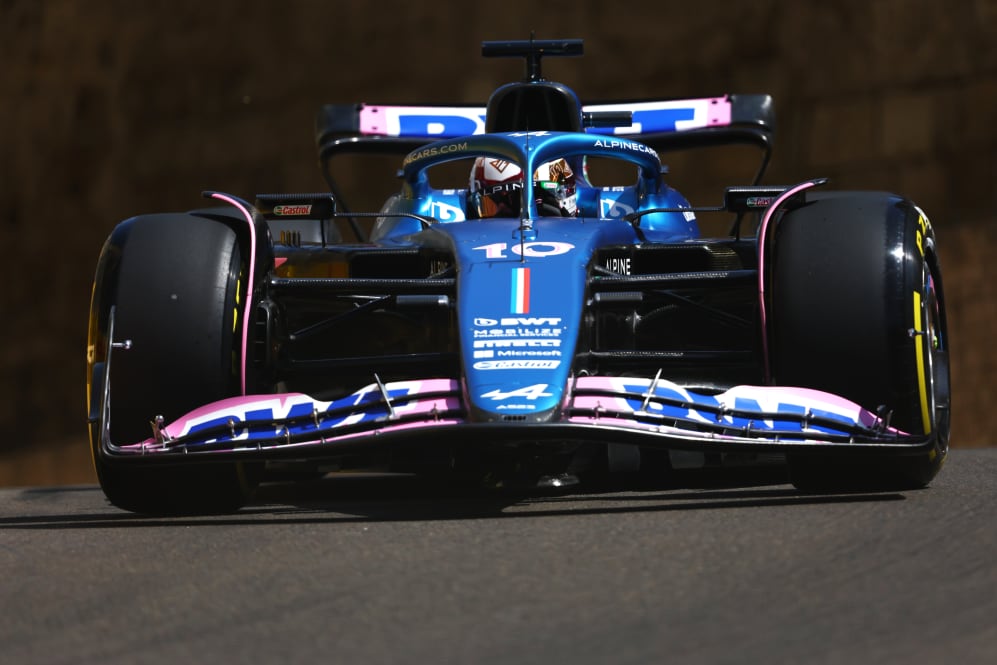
[(857, 310), (172, 284)]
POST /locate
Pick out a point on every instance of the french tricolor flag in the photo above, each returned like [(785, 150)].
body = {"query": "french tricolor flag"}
[(520, 291)]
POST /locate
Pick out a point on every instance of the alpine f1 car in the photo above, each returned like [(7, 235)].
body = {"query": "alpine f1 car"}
[(532, 323)]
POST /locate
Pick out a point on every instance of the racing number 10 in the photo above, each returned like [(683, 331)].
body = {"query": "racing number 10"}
[(536, 249)]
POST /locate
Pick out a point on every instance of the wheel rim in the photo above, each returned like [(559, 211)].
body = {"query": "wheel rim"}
[(936, 358)]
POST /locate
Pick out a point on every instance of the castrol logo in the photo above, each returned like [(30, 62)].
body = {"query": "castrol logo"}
[(289, 210)]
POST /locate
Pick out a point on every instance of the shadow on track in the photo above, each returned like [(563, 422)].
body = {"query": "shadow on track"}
[(360, 498)]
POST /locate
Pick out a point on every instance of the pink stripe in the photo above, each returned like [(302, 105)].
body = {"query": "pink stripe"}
[(373, 121), (686, 434), (769, 212), (249, 281), (767, 397), (718, 111), (282, 403)]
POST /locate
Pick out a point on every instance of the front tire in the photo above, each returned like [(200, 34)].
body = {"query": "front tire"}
[(174, 282), (857, 310)]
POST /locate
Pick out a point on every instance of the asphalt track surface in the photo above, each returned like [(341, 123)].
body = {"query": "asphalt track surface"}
[(381, 570)]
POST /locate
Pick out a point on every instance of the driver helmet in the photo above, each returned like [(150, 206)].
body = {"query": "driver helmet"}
[(496, 185)]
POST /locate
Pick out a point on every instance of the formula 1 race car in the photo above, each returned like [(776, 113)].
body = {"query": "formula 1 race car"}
[(527, 325)]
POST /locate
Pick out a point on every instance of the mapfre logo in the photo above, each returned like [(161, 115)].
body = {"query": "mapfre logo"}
[(292, 210)]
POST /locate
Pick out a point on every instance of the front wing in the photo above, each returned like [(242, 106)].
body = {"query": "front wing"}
[(641, 411)]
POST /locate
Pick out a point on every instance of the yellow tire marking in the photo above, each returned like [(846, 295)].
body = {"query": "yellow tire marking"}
[(235, 310), (922, 385)]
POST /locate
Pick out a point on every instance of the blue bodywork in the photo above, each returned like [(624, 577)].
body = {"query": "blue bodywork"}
[(521, 282)]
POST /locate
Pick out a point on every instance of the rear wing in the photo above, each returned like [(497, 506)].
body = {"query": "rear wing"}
[(663, 125), (635, 119)]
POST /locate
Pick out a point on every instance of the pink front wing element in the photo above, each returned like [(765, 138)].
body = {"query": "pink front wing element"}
[(241, 411), (742, 413), (626, 396)]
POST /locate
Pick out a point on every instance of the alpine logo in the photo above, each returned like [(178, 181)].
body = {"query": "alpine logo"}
[(535, 391)]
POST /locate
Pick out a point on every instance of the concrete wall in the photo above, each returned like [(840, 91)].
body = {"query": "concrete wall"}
[(112, 108)]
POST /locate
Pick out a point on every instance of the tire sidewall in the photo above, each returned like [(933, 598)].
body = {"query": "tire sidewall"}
[(848, 269)]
